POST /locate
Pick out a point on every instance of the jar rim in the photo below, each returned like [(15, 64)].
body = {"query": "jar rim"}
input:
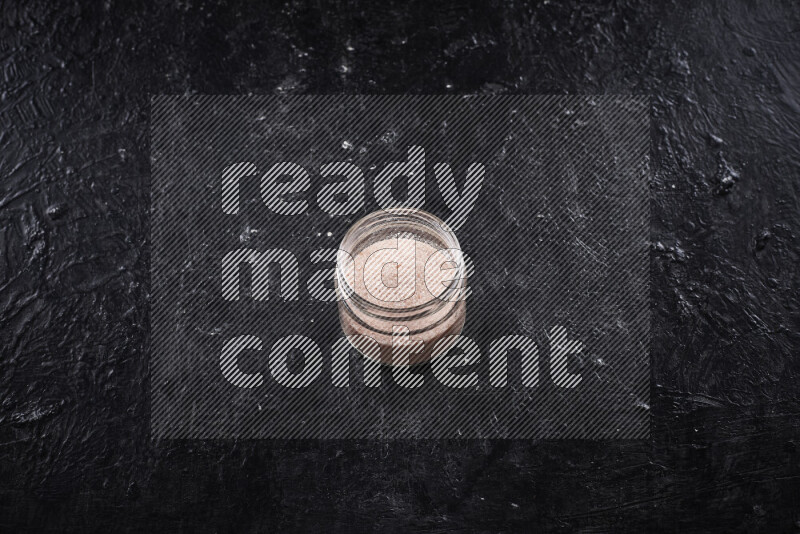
[(359, 235)]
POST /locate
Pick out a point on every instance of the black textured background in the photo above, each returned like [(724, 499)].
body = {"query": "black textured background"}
[(75, 454)]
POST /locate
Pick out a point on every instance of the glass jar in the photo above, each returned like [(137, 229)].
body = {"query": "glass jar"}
[(401, 283)]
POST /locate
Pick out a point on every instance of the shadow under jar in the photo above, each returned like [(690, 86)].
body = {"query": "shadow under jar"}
[(401, 282)]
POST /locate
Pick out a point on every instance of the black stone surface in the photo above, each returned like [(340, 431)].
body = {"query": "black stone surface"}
[(75, 454)]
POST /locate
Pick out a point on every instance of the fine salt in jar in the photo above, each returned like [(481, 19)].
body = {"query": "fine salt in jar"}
[(401, 283)]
